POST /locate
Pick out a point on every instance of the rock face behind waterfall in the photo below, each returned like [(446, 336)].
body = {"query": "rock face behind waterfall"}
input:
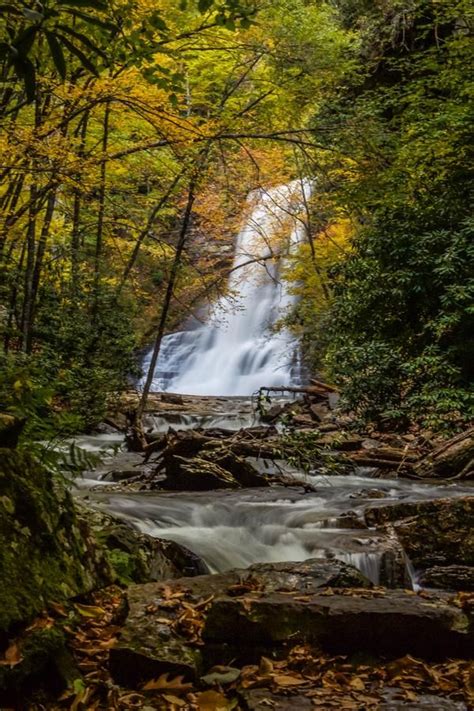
[(236, 350)]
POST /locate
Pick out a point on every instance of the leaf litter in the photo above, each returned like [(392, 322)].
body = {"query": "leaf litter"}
[(330, 682)]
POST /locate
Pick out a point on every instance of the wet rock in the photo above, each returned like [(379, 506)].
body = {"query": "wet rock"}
[(450, 577), (264, 699), (183, 560), (197, 474), (107, 427), (135, 556), (369, 494), (308, 576), (423, 701), (172, 398), (148, 646), (117, 475), (350, 519), (273, 412), (434, 533), (147, 650), (442, 535), (391, 623)]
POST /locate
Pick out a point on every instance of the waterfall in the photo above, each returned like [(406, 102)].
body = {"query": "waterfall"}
[(237, 350)]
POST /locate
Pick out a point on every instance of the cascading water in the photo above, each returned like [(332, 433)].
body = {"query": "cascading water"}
[(230, 529), (237, 351)]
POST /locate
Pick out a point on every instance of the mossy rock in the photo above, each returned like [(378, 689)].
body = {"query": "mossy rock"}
[(135, 556), (46, 553)]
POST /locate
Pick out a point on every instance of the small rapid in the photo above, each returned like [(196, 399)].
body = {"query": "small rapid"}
[(235, 529)]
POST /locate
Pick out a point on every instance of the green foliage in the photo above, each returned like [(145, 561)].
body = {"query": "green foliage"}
[(398, 335), (88, 352), (65, 26)]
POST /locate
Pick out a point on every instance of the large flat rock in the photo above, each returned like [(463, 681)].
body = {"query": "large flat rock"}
[(391, 622), (152, 642)]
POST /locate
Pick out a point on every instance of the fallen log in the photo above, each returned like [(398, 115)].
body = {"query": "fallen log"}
[(454, 459), (378, 463), (302, 390)]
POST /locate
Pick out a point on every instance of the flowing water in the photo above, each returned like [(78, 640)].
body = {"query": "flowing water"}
[(237, 351), (232, 357), (234, 529)]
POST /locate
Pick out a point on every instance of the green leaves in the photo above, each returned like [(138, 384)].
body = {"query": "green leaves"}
[(61, 26), (79, 54), (57, 54)]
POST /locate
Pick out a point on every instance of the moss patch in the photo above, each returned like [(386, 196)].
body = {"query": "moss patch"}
[(46, 554)]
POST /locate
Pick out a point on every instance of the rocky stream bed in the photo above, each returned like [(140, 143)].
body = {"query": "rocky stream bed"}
[(246, 578)]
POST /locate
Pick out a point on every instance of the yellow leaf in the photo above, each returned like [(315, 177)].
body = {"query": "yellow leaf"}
[(286, 680), (357, 684), (265, 667), (213, 701), (174, 700), (89, 610)]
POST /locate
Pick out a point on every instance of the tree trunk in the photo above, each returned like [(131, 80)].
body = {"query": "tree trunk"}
[(101, 215), (138, 440), (76, 213)]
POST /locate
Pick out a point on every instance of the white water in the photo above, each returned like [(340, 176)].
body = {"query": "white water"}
[(235, 529), (236, 351)]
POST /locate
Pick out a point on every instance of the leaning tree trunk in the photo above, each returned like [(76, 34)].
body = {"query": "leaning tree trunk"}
[(138, 440)]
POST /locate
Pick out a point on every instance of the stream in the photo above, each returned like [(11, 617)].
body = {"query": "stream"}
[(229, 356), (235, 529)]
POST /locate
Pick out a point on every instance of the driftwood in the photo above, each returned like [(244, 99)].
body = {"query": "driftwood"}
[(194, 461), (303, 390), (452, 460)]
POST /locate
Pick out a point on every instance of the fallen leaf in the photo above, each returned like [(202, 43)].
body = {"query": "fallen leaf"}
[(357, 684), (164, 682), (213, 701), (89, 610), (266, 666), (174, 700), (221, 675), (287, 680), (12, 656)]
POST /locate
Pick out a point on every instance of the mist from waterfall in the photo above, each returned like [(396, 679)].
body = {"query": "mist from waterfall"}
[(237, 350)]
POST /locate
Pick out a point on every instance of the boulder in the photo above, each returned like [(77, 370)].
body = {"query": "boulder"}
[(394, 622), (449, 577), (197, 474), (135, 556), (151, 642), (46, 552), (274, 412), (435, 535)]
